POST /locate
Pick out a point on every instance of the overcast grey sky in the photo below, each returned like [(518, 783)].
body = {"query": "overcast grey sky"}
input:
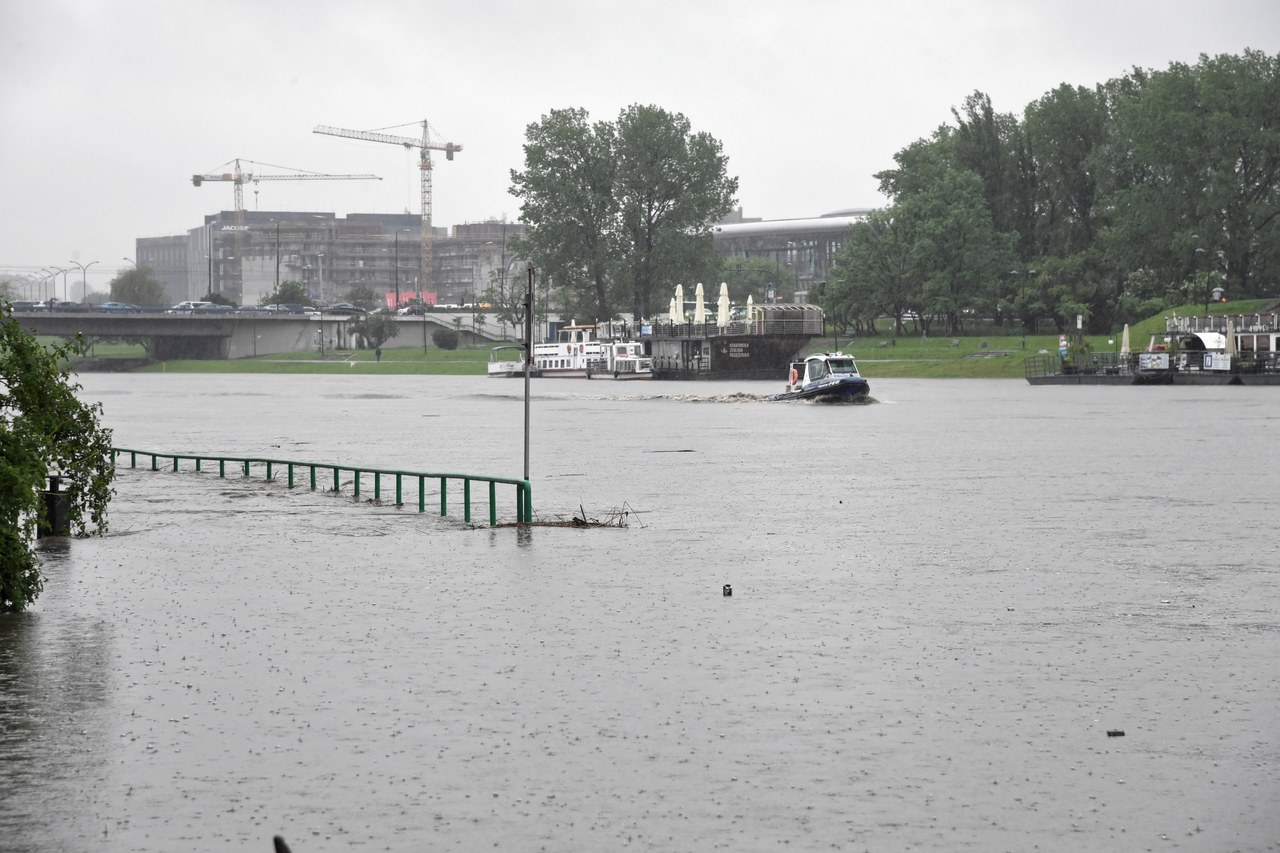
[(107, 107)]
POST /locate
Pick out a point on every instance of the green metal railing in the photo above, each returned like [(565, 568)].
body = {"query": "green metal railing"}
[(314, 472)]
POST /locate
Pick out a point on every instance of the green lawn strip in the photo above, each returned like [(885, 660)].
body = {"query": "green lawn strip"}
[(394, 362), (879, 355)]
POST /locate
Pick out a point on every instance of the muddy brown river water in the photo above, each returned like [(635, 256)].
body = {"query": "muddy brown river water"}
[(943, 603)]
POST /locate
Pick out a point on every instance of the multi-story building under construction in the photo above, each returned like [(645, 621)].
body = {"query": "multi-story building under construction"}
[(331, 256)]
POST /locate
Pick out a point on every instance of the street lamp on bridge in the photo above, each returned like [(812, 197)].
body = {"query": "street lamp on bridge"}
[(84, 279)]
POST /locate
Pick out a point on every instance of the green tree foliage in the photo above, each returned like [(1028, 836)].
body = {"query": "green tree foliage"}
[(1196, 153), (956, 253), (1102, 203), (43, 429), (993, 146), (617, 211), (377, 329), (568, 204), (362, 296), (1065, 131), (505, 296), (875, 273), (748, 277), (139, 286), (290, 292), (446, 338), (671, 183)]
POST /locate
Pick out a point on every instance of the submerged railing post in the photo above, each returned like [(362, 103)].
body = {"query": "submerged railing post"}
[(356, 472), (422, 494), (399, 502), (526, 489), (444, 495), (493, 504), (466, 500), (222, 467)]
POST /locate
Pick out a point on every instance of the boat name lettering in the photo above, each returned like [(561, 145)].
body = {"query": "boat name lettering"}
[(739, 349)]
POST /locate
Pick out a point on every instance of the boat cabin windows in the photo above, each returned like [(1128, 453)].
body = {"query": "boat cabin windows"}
[(817, 370), (576, 334), (842, 366)]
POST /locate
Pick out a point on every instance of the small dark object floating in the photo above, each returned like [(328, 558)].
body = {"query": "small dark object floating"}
[(728, 590), (1115, 732)]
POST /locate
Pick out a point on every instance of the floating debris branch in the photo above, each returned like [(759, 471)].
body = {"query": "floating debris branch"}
[(620, 517)]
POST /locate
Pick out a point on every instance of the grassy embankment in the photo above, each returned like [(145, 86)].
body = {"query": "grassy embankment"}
[(878, 356)]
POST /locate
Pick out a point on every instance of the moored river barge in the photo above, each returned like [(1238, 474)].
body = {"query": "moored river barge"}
[(1235, 349)]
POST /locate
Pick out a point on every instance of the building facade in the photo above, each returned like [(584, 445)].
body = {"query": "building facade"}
[(806, 247), (166, 257), (332, 256)]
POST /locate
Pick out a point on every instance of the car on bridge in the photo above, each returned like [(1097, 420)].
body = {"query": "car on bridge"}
[(185, 307), (345, 308), (65, 305), (119, 308)]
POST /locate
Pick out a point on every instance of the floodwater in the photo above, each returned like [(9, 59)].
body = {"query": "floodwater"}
[(943, 603)]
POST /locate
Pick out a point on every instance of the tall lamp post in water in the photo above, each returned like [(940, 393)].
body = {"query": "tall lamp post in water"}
[(84, 279)]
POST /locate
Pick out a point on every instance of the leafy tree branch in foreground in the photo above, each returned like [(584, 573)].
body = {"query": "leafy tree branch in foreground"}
[(44, 429)]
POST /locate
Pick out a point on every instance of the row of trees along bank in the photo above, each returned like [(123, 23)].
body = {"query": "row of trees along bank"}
[(1109, 203)]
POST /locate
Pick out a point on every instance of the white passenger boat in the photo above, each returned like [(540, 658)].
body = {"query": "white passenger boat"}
[(574, 353), (508, 361), (623, 360)]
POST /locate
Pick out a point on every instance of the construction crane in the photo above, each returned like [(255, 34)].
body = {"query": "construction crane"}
[(239, 177), (425, 146)]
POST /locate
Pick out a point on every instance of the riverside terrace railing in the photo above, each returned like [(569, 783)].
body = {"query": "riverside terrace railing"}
[(313, 471), (1110, 363), (778, 326)]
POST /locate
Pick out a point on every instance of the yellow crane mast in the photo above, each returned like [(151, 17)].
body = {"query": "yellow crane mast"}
[(425, 146)]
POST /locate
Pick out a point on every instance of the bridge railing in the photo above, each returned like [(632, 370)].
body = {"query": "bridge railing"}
[(316, 473)]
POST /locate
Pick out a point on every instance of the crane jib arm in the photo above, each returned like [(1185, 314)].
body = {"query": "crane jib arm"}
[(448, 148)]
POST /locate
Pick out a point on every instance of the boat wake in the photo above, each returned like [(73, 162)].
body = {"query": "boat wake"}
[(740, 397)]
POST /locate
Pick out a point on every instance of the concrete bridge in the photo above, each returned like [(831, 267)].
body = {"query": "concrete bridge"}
[(239, 334)]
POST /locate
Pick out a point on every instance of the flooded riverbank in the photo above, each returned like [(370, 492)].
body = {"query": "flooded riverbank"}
[(942, 604)]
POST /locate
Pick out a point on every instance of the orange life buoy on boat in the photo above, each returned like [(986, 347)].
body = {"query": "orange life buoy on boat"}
[(795, 377)]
